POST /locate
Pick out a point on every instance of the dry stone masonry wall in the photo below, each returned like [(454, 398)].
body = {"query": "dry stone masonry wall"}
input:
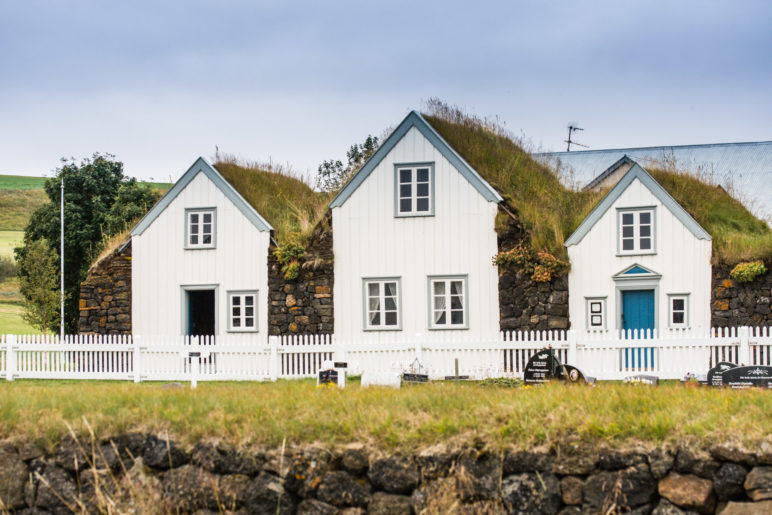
[(736, 304), (105, 295), (525, 304), (304, 305), (151, 473)]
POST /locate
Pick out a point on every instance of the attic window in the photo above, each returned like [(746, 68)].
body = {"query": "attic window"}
[(636, 231), (200, 228), (414, 189)]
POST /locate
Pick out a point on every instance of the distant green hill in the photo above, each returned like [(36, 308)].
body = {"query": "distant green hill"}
[(21, 182)]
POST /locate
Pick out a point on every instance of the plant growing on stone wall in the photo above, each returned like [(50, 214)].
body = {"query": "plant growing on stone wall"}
[(542, 265), (289, 255), (748, 271)]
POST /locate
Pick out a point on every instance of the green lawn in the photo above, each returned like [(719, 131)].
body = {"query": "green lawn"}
[(11, 321), (9, 240), (407, 419), (21, 182)]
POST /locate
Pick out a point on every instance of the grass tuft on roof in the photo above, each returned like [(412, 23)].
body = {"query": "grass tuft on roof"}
[(288, 203), (551, 211)]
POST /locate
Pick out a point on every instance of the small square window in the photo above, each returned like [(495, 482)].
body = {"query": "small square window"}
[(596, 313), (679, 310), (242, 311), (636, 231), (200, 228), (414, 191)]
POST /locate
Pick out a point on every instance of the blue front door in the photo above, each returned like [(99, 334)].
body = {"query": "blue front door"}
[(638, 313), (638, 309)]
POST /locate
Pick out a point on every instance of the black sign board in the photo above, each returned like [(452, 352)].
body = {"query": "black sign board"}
[(454, 378), (715, 374), (748, 377), (328, 376), (340, 364), (542, 367), (415, 378)]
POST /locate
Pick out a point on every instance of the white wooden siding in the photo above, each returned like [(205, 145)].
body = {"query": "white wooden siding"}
[(460, 239), (681, 258), (161, 265)]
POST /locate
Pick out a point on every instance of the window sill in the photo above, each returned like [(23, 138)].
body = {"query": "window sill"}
[(238, 331), (450, 328), (413, 215), (201, 248), (625, 254), (379, 329)]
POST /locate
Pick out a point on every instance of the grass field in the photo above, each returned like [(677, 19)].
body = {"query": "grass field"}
[(21, 182), (11, 321), (406, 419), (9, 240)]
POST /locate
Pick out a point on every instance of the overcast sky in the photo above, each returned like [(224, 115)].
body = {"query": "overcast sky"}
[(159, 83)]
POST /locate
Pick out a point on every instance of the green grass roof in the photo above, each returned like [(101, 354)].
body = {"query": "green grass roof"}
[(289, 204), (551, 212)]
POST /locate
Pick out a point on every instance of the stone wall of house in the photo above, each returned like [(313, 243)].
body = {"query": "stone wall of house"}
[(105, 295), (736, 304), (304, 305), (141, 472), (525, 304)]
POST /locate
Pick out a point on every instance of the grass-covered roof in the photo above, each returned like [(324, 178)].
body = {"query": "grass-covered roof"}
[(551, 211)]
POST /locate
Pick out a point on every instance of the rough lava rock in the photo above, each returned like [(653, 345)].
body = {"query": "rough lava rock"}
[(748, 508), (525, 461), (396, 475), (688, 492), (478, 476), (389, 504), (13, 476), (267, 495), (162, 454), (758, 483), (688, 463), (531, 493), (630, 488), (728, 481), (316, 507), (356, 460), (340, 489), (220, 458), (571, 490), (660, 462)]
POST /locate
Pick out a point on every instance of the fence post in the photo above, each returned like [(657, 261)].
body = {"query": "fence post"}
[(744, 354), (10, 358), (273, 358), (571, 337), (137, 359), (195, 370)]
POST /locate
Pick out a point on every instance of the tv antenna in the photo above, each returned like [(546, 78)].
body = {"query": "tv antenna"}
[(572, 129)]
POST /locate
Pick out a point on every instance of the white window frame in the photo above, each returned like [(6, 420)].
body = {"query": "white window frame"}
[(636, 212), (200, 212), (381, 281), (242, 316), (670, 311), (591, 308), (413, 167), (447, 279)]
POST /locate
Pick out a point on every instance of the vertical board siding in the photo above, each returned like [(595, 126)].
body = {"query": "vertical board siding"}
[(682, 259), (161, 264), (459, 239)]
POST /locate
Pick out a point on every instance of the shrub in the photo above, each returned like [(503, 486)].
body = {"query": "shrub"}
[(289, 255), (542, 265), (7, 267), (748, 271)]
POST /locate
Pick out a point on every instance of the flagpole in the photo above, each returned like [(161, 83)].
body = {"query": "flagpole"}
[(61, 263)]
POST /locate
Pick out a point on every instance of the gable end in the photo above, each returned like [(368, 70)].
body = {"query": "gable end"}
[(414, 119), (637, 172), (202, 166)]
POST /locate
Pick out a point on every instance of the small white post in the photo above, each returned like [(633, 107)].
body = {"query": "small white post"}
[(137, 359), (273, 358), (571, 337), (10, 365), (744, 355)]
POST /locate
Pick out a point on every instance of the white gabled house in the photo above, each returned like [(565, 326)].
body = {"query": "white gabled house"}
[(639, 261), (414, 238), (200, 261)]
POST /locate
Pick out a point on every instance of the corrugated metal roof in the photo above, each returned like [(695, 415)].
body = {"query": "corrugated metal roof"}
[(743, 169)]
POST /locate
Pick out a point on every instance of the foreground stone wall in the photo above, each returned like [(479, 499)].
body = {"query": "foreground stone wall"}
[(523, 303), (105, 295), (304, 305), (150, 473), (736, 304)]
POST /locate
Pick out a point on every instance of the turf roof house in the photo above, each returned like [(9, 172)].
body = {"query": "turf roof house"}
[(414, 237), (199, 261), (639, 260)]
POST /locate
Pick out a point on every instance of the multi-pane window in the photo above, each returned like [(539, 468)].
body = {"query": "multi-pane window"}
[(200, 228), (243, 311), (382, 304), (679, 310), (414, 190), (636, 231), (596, 314), (448, 303)]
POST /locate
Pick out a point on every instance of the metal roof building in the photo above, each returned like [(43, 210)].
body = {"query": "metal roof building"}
[(743, 169)]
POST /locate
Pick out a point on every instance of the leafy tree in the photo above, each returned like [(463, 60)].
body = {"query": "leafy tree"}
[(333, 175), (39, 273), (91, 191)]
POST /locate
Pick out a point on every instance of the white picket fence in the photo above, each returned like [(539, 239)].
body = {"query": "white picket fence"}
[(604, 355)]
